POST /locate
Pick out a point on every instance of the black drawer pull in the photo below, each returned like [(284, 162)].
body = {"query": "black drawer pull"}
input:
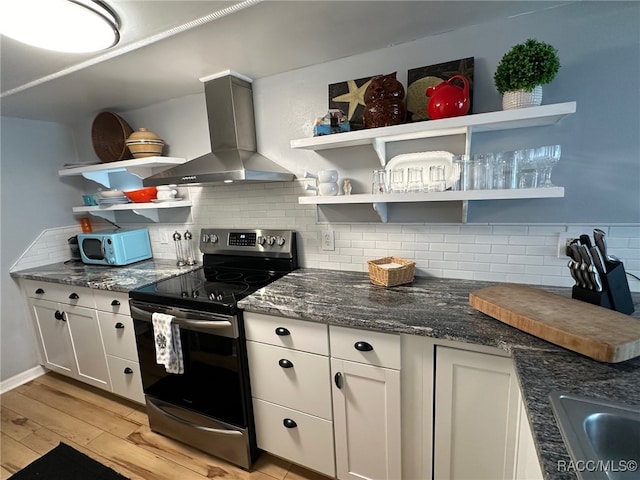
[(338, 379), (115, 303), (283, 332), (119, 325), (363, 346), (58, 315), (128, 371), (284, 363), (73, 296), (39, 291), (287, 422)]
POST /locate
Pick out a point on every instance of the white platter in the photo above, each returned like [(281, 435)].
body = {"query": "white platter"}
[(425, 160)]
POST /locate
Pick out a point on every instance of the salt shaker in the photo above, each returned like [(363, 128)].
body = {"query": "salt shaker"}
[(177, 239), (191, 256)]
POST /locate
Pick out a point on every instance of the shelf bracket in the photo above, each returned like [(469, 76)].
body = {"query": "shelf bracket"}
[(150, 213), (380, 147), (110, 216), (382, 211), (101, 177)]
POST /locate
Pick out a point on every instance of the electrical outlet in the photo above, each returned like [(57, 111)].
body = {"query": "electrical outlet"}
[(564, 240), (164, 236), (328, 241)]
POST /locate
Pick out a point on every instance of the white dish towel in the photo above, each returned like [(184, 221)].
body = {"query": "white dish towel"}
[(166, 335)]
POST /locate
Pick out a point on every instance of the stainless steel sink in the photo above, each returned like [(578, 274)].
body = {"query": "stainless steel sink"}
[(603, 437)]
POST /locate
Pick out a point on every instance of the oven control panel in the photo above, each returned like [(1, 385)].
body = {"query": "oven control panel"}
[(251, 242)]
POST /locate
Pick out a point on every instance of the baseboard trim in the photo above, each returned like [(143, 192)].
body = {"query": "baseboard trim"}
[(22, 378)]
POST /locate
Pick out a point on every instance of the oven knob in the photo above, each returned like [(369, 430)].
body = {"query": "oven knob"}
[(261, 240), (214, 238), (205, 237), (280, 241), (271, 240)]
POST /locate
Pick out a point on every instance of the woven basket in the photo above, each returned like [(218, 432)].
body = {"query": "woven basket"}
[(109, 133), (522, 99), (389, 277)]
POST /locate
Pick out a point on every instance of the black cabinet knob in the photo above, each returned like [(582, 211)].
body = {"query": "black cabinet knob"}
[(284, 363), (363, 346), (128, 371), (115, 303), (119, 325), (337, 378), (287, 422), (73, 296), (58, 315), (39, 291), (283, 332)]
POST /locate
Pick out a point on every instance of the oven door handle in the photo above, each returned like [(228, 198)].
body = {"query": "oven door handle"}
[(140, 314), (193, 425)]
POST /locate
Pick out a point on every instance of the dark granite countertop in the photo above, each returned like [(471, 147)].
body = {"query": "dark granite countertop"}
[(439, 308), (119, 279)]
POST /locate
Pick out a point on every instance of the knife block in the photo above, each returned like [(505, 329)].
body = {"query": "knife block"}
[(615, 293)]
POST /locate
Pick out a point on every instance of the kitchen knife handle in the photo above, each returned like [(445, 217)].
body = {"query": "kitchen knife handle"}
[(585, 240), (601, 243), (598, 261)]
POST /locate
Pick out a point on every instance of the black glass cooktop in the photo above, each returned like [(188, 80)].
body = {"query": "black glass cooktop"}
[(213, 289)]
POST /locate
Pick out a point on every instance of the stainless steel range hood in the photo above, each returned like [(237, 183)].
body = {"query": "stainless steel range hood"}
[(233, 156)]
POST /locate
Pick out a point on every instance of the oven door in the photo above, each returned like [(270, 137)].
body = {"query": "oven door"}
[(215, 379)]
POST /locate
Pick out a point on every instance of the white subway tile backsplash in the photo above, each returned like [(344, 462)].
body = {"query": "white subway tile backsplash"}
[(499, 253)]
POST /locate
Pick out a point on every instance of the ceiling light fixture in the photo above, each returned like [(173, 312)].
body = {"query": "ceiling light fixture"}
[(72, 26)]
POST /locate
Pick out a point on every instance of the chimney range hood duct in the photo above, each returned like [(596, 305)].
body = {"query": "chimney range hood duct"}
[(233, 156)]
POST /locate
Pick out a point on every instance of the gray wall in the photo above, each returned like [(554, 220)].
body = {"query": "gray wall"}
[(32, 198)]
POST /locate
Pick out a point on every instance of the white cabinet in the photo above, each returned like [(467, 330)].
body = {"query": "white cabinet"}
[(463, 416), (476, 414), (118, 335), (290, 385), (68, 329), (126, 174), (86, 334), (462, 128), (366, 403)]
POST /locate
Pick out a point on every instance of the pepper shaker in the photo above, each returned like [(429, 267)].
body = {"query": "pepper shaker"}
[(177, 239)]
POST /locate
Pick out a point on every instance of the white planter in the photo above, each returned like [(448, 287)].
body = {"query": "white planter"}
[(522, 99)]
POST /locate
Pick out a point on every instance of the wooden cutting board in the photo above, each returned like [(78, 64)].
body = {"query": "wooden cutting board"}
[(599, 333)]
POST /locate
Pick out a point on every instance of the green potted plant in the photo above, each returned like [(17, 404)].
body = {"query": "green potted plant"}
[(522, 72)]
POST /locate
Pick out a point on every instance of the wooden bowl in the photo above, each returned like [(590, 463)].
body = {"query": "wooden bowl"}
[(109, 133)]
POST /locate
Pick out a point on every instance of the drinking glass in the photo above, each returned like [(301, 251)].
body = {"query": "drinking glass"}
[(527, 168), (483, 171), (396, 181), (436, 178), (415, 182), (379, 184), (548, 157), (462, 172), (499, 171)]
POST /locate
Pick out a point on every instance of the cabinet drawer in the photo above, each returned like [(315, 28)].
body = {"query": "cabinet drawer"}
[(125, 378), (381, 349), (118, 335), (59, 292), (298, 334), (290, 378), (114, 302), (309, 443)]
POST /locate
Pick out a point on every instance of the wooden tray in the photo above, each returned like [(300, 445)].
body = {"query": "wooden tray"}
[(596, 332)]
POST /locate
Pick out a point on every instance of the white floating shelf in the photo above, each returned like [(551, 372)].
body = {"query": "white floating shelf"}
[(140, 167), (148, 210), (467, 124)]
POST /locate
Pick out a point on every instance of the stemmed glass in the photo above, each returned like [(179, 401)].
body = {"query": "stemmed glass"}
[(548, 157)]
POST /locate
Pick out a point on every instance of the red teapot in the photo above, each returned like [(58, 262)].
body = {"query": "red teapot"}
[(447, 99)]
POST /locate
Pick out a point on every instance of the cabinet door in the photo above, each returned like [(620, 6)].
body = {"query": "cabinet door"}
[(366, 410), (53, 332), (527, 462), (91, 361), (476, 414)]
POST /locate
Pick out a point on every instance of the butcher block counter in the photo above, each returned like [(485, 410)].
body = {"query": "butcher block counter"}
[(439, 308)]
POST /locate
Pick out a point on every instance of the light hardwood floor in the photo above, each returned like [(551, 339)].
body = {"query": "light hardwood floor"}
[(38, 415)]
